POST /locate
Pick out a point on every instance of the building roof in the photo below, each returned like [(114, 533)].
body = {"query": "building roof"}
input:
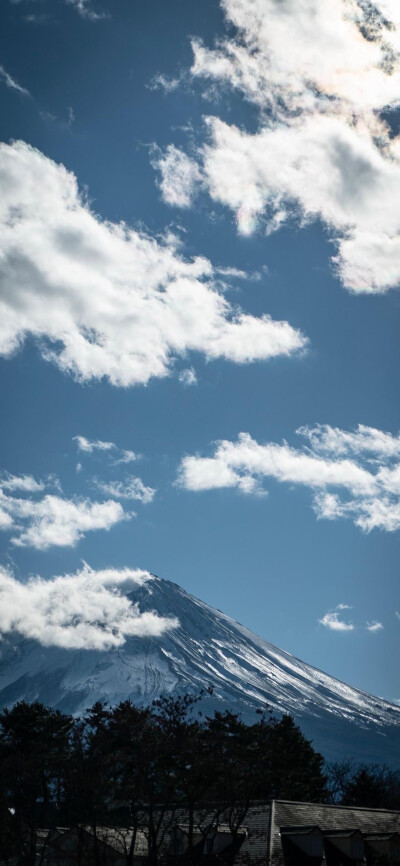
[(288, 817)]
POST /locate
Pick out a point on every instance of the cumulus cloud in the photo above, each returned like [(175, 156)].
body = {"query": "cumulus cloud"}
[(322, 149), (11, 83), (103, 299), (361, 484), (130, 488), (51, 521), (86, 610), (56, 522)]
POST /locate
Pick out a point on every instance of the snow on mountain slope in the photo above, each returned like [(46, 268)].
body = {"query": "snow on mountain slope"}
[(208, 648)]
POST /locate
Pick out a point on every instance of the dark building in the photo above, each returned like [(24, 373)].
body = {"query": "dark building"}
[(275, 833)]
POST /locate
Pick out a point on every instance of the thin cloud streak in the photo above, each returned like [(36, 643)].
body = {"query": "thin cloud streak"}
[(11, 83), (89, 446)]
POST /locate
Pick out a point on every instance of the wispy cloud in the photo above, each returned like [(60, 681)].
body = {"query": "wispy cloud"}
[(362, 485), (85, 10), (368, 440), (11, 83), (130, 488), (333, 622), (87, 446), (188, 377), (120, 455), (125, 456), (374, 626), (180, 176), (107, 301), (322, 149), (164, 82), (87, 610), (24, 483)]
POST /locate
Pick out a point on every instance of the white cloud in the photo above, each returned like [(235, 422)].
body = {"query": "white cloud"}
[(50, 521), (374, 626), (125, 456), (11, 83), (332, 621), (105, 300), (179, 176), (365, 488), (320, 74), (85, 10), (86, 610), (299, 55), (6, 521), (129, 488), (25, 483), (163, 82), (87, 446), (56, 522), (232, 459), (332, 440), (188, 377)]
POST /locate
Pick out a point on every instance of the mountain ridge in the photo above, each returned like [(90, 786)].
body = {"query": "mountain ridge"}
[(207, 648)]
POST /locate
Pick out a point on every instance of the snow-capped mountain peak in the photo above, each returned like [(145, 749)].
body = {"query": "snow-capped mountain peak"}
[(206, 648)]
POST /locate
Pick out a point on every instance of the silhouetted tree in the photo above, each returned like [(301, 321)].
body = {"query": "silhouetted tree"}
[(34, 750)]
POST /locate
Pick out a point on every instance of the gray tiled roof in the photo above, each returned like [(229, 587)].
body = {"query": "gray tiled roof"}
[(329, 819)]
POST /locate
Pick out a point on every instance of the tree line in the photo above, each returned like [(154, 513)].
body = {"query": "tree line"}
[(126, 766)]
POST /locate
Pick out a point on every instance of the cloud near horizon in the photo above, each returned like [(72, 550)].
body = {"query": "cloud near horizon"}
[(85, 610), (104, 300), (323, 149), (352, 475)]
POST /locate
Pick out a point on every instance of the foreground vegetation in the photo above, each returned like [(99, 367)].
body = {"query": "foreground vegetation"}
[(115, 765)]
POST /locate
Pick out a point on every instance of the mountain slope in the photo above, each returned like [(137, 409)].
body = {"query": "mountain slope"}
[(208, 648)]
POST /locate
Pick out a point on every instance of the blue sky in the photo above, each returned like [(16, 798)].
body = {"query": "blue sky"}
[(241, 153)]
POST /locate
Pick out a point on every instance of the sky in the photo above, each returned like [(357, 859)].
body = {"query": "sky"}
[(199, 321)]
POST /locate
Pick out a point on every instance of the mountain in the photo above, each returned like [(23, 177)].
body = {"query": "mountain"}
[(207, 648)]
